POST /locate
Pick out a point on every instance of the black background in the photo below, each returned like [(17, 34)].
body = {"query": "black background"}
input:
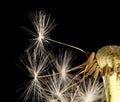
[(88, 25)]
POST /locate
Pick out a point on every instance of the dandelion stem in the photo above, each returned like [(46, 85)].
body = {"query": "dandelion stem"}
[(77, 48), (67, 45)]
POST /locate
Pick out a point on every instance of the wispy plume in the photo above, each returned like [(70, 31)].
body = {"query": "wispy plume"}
[(43, 24), (54, 89), (63, 63), (89, 91), (36, 67)]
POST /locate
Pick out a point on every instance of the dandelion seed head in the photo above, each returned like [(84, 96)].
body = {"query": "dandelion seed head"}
[(56, 88)]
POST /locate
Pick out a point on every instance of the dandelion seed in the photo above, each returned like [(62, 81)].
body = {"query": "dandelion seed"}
[(43, 24), (54, 89), (63, 63), (89, 93), (36, 66)]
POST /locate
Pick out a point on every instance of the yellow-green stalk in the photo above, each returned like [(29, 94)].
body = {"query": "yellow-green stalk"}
[(108, 58)]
